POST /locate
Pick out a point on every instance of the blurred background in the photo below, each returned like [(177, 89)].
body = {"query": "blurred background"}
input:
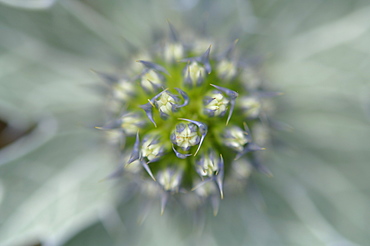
[(316, 52)]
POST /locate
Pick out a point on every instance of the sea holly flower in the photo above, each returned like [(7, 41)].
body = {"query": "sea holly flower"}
[(193, 123)]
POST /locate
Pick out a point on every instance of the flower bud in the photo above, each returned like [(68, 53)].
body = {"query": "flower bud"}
[(123, 90), (251, 106), (151, 81), (194, 74), (234, 138), (165, 104), (131, 123), (170, 179), (226, 69), (251, 78), (215, 104), (207, 165), (173, 52), (185, 135), (151, 148)]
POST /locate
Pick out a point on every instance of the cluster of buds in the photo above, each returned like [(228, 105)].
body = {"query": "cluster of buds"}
[(187, 120)]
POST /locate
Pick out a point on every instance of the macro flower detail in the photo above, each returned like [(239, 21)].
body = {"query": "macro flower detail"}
[(251, 106), (235, 138), (215, 104), (151, 81), (185, 121), (165, 104), (185, 136), (207, 165), (151, 149), (170, 179), (226, 69), (194, 74)]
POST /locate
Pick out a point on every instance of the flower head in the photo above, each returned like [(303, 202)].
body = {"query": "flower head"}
[(187, 118)]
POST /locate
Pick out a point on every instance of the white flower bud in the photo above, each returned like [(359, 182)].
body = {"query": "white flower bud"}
[(251, 106), (251, 78), (151, 81), (205, 190), (241, 169), (207, 165), (185, 135), (123, 89), (114, 136), (131, 123), (201, 45), (166, 102), (261, 134), (226, 69), (170, 179), (215, 104), (194, 73), (151, 148), (173, 52), (235, 138)]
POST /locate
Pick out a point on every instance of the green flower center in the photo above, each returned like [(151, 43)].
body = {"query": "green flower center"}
[(184, 120)]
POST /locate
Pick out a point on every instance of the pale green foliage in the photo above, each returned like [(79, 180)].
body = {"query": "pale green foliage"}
[(314, 51)]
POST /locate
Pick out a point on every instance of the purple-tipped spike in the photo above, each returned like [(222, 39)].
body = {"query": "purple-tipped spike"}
[(230, 93), (173, 33), (205, 60), (157, 96), (155, 159), (148, 108), (153, 66), (109, 78), (147, 169), (229, 51), (164, 200), (200, 184), (117, 173), (184, 96), (215, 203), (202, 127), (249, 148), (261, 168), (247, 132), (207, 100), (255, 147), (154, 86), (180, 155), (110, 125), (220, 176), (135, 155)]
